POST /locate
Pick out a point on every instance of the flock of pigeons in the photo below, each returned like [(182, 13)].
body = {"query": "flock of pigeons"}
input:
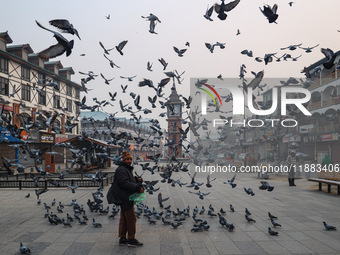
[(195, 123), (73, 214), (156, 95)]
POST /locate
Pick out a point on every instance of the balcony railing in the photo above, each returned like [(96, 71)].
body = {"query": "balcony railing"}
[(328, 102), (324, 103), (324, 80), (314, 106)]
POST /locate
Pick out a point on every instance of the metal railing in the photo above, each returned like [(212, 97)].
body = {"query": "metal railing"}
[(20, 183)]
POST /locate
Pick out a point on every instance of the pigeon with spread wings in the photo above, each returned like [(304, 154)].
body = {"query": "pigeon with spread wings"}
[(161, 200), (65, 26), (58, 49), (208, 13), (106, 51), (200, 194), (120, 47), (270, 13), (129, 78), (179, 52), (112, 64), (222, 8)]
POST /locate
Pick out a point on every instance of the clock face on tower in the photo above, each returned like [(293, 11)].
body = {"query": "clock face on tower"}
[(176, 110)]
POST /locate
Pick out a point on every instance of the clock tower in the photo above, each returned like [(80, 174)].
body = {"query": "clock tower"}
[(174, 113)]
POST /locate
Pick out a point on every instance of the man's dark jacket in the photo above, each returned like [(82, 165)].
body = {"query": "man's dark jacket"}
[(124, 185)]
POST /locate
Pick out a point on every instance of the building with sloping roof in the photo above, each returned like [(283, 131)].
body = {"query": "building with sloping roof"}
[(31, 89)]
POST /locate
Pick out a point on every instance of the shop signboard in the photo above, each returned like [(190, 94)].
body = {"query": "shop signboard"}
[(7, 108), (47, 138), (330, 137), (33, 136)]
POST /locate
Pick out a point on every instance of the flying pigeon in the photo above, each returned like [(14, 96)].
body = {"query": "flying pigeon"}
[(163, 62), (208, 13), (58, 49), (106, 51), (249, 191), (270, 13), (65, 26), (308, 49), (179, 52), (120, 47), (222, 8)]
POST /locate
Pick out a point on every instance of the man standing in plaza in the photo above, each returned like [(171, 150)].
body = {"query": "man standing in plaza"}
[(291, 160), (124, 185)]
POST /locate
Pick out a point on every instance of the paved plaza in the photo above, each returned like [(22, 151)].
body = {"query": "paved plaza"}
[(300, 210)]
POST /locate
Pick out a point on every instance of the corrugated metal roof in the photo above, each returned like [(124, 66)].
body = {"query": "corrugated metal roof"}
[(96, 115)]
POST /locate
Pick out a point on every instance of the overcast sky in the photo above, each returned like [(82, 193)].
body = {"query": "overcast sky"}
[(309, 22)]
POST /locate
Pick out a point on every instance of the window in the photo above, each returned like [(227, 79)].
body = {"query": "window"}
[(68, 90), (77, 93), (56, 102), (41, 78), (69, 105), (25, 73), (3, 86), (25, 92), (42, 97), (77, 109), (3, 65)]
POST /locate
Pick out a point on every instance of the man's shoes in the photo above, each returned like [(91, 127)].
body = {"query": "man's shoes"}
[(134, 243), (123, 241)]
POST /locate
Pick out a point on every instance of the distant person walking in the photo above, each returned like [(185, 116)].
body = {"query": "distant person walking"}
[(327, 160), (291, 160), (124, 185)]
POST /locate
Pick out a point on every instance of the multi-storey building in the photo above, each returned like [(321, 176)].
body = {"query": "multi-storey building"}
[(31, 87), (315, 135), (320, 133)]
